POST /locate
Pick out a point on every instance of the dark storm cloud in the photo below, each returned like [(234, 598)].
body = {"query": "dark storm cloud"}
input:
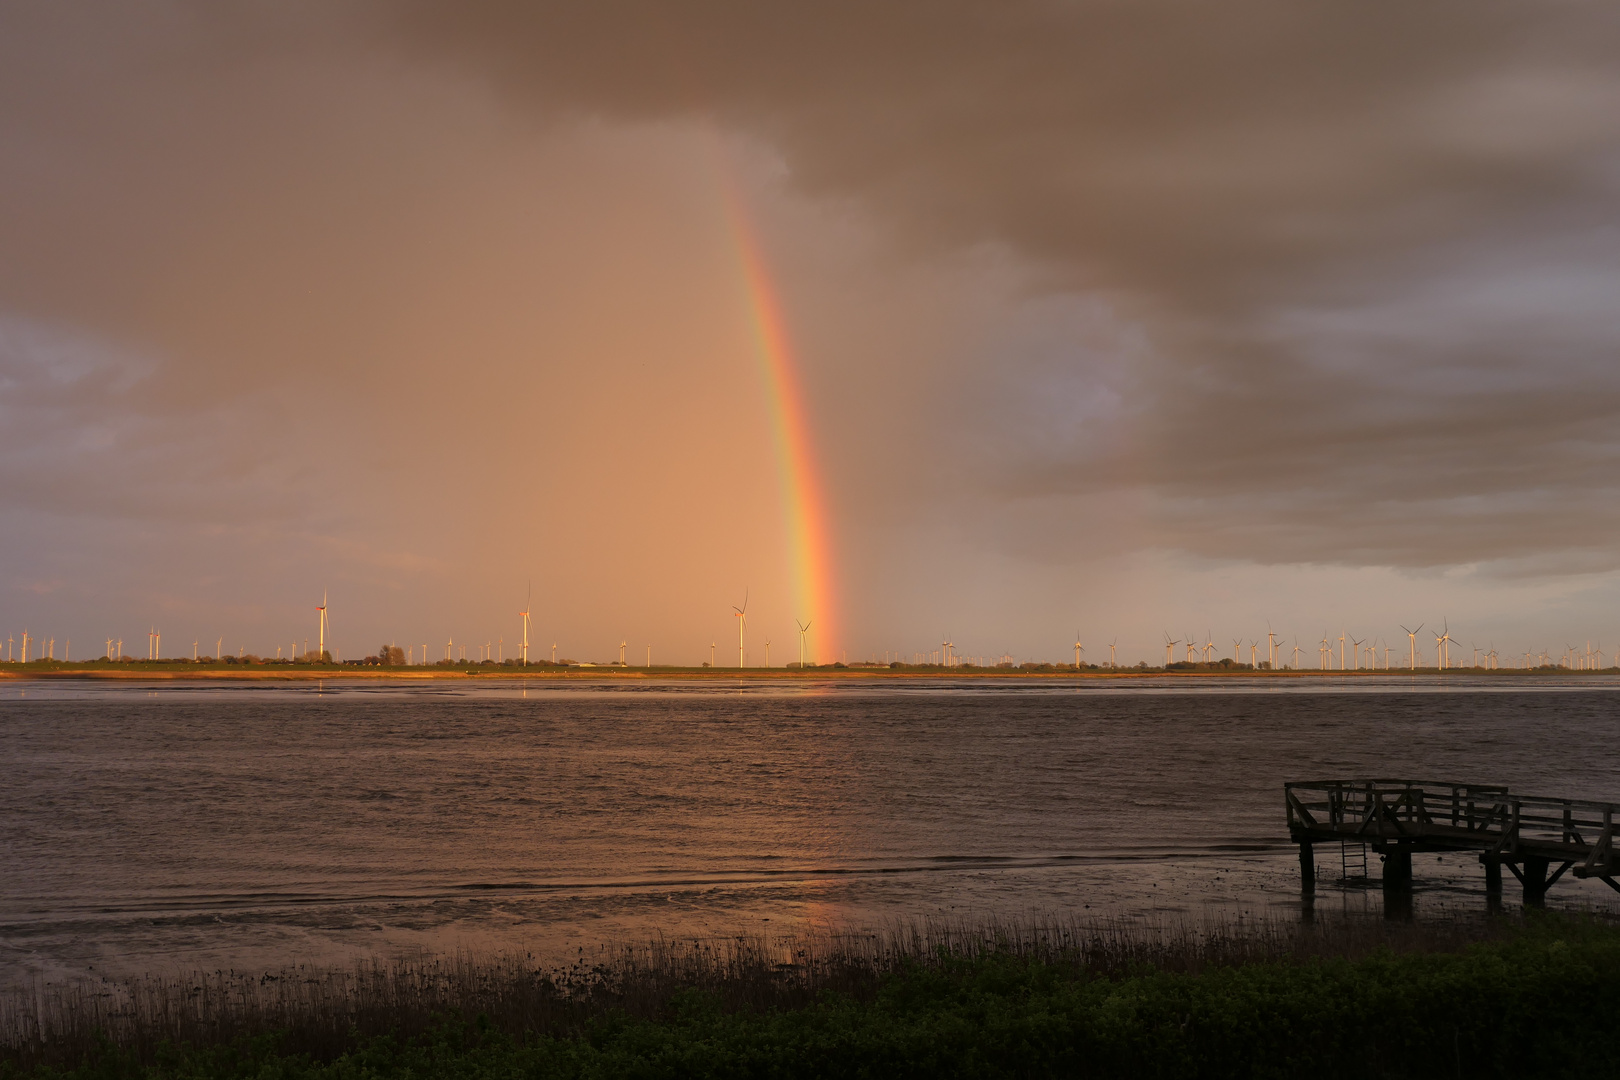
[(1370, 246)]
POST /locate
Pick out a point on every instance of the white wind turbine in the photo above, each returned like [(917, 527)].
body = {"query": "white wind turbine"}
[(1411, 640), (742, 627), (1237, 650), (322, 637), (804, 628), (1111, 645), (523, 647), (1271, 648), (1443, 645), (1356, 649), (1209, 645), (1078, 649), (767, 653), (1168, 645)]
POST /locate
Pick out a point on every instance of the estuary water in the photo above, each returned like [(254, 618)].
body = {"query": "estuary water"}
[(165, 827)]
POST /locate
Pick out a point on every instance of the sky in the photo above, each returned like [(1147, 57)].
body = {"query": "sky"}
[(997, 323)]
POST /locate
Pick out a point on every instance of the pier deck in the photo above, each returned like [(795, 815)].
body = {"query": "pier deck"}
[(1529, 835)]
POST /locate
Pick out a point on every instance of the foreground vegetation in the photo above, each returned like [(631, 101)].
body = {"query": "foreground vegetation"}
[(1478, 998)]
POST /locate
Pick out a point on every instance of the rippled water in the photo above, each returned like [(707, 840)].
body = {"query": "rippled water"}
[(156, 827)]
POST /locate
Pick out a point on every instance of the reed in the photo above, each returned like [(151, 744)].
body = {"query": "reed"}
[(323, 1012)]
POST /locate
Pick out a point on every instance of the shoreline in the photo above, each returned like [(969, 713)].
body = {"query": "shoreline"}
[(1505, 995), (185, 670)]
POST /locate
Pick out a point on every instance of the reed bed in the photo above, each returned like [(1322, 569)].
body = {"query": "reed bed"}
[(323, 1011)]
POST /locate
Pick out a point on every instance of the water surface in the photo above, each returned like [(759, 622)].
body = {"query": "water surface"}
[(166, 826)]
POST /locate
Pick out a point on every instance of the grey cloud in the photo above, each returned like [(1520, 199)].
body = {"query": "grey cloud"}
[(1365, 243)]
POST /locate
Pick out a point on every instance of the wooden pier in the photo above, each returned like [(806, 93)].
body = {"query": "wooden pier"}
[(1537, 839)]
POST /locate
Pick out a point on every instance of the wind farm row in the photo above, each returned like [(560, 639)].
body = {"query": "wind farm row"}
[(1418, 648)]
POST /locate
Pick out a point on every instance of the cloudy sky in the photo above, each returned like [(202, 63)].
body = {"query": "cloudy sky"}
[(1113, 316)]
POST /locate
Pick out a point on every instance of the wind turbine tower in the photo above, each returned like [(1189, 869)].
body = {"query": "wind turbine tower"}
[(523, 648), (1411, 641), (321, 639), (804, 628), (742, 627)]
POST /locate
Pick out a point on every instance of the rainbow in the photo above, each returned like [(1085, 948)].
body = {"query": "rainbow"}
[(804, 506)]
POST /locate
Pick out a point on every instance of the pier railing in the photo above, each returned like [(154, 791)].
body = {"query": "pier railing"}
[(1417, 815)]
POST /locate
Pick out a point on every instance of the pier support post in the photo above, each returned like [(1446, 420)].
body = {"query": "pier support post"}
[(1397, 884), (1535, 882), (1493, 884), (1307, 868)]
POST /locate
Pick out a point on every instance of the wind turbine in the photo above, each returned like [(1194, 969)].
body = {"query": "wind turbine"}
[(1271, 647), (1356, 645), (1209, 645), (322, 638), (1341, 650), (1168, 645), (767, 653), (1078, 649), (523, 648), (1237, 650), (1296, 654), (1111, 645), (804, 628), (1443, 645), (622, 644), (742, 626), (1411, 640)]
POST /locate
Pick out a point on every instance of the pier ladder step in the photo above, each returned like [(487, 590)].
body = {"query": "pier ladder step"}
[(1353, 861)]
